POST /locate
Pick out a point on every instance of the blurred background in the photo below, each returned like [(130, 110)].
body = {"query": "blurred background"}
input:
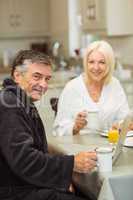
[(63, 29)]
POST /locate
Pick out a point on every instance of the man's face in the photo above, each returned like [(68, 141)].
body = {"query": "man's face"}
[(35, 80)]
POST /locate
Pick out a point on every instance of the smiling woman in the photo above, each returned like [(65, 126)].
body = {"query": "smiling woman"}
[(95, 90), (97, 70), (99, 58)]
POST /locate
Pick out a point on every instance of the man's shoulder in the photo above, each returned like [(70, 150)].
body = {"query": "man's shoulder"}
[(7, 98)]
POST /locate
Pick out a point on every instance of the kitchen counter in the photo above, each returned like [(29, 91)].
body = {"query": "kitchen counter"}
[(105, 186)]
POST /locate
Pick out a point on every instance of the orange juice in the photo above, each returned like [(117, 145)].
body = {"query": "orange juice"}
[(113, 136)]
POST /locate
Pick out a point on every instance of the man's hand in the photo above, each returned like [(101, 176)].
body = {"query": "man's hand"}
[(85, 161), (80, 122), (71, 188)]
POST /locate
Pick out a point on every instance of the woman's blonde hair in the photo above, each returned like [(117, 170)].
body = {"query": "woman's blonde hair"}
[(107, 51)]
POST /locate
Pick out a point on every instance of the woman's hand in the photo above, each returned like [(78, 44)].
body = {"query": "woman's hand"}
[(80, 122), (115, 126), (118, 126), (131, 126)]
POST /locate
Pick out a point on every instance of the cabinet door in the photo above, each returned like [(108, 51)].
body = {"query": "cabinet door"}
[(108, 17), (119, 15), (93, 14), (32, 19), (7, 18), (23, 18)]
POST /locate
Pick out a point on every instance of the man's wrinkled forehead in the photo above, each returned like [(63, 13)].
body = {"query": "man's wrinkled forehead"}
[(40, 68)]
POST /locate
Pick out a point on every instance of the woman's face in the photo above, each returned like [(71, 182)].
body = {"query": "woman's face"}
[(97, 67)]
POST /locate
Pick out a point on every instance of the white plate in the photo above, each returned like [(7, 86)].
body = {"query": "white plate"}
[(128, 142), (101, 132), (129, 133), (88, 131), (104, 133)]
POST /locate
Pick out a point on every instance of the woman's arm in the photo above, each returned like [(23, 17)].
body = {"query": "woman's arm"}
[(64, 121)]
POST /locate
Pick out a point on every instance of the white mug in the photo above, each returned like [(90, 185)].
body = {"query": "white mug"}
[(104, 159), (93, 121)]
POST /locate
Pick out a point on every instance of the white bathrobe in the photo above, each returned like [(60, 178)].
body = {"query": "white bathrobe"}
[(111, 107)]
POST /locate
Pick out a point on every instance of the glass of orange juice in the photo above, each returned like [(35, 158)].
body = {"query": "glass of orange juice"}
[(113, 136)]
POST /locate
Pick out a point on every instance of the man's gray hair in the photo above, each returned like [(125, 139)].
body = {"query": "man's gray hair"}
[(24, 67), (26, 57)]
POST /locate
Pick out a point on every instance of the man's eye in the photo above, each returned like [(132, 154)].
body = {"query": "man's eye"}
[(102, 62), (36, 77), (47, 79)]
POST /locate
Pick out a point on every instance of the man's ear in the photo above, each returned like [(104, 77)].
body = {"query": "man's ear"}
[(17, 76)]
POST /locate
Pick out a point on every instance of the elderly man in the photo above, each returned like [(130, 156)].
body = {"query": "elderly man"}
[(27, 170)]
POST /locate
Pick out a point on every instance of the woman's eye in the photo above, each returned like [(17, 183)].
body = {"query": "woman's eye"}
[(96, 62), (90, 61)]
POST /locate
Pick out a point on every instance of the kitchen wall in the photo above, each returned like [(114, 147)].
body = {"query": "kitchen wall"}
[(124, 47), (22, 23), (57, 19), (58, 13), (59, 30), (13, 45)]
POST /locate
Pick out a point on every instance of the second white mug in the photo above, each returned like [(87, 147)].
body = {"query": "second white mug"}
[(104, 156)]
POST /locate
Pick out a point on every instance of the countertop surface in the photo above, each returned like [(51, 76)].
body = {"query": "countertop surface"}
[(121, 177)]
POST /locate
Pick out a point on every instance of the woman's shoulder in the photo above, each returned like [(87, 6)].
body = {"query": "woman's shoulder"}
[(114, 82), (115, 85), (75, 82), (73, 86)]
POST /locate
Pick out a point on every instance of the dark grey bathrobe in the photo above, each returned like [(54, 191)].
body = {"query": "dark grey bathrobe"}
[(27, 170)]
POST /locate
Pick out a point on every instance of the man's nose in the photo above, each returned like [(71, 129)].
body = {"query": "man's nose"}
[(43, 83)]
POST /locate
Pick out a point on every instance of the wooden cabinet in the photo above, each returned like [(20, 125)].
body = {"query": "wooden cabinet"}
[(109, 17), (92, 14), (26, 18)]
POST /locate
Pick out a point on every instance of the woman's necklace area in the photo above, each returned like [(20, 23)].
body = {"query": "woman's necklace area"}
[(94, 90), (94, 93)]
